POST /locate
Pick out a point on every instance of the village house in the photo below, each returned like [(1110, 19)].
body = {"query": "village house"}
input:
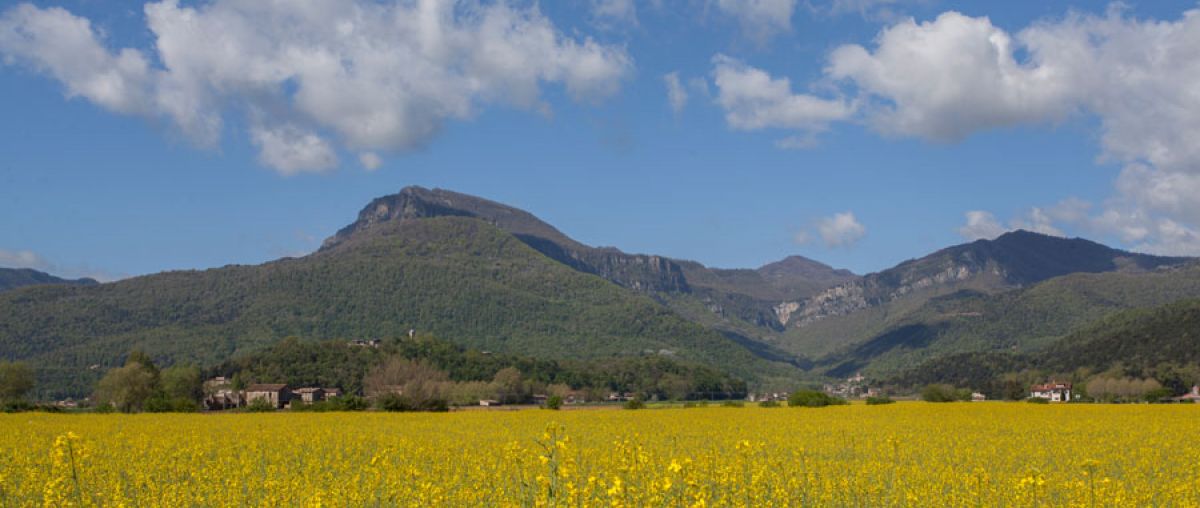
[(331, 393), (219, 394), (1052, 391), (1192, 396), (489, 403), (309, 395), (978, 397), (276, 395)]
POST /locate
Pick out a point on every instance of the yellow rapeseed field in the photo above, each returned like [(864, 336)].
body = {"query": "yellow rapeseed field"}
[(907, 454)]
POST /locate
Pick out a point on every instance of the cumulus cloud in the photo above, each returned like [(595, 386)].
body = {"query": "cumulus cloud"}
[(677, 95), (22, 259), (840, 230), (612, 13), (370, 160), (754, 100), (290, 149), (945, 79), (760, 19), (312, 76), (981, 225)]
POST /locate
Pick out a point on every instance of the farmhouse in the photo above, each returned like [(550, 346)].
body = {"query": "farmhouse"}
[(1192, 396), (309, 395), (1052, 391), (274, 394)]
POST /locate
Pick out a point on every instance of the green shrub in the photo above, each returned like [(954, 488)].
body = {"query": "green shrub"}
[(877, 401), (348, 403), (394, 402), (1037, 400), (813, 398), (16, 406), (942, 393), (768, 403), (635, 403), (260, 406), (554, 402)]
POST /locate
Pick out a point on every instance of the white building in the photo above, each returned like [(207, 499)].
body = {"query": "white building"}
[(1052, 391)]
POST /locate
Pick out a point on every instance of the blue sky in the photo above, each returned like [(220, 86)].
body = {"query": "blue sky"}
[(874, 152)]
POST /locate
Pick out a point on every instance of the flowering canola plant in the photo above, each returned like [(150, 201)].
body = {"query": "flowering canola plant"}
[(907, 454)]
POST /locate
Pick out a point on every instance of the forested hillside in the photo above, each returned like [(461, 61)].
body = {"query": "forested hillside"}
[(455, 277)]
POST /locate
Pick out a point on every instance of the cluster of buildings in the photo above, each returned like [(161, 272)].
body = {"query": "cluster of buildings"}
[(220, 394), (854, 387), (1052, 391)]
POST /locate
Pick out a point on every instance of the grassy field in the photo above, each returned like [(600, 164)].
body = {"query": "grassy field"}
[(906, 454)]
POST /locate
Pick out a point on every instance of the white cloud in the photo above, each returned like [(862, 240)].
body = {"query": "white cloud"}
[(760, 19), (22, 259), (802, 238), (753, 100), (370, 160), (610, 13), (677, 95), (840, 230), (981, 225), (365, 75), (946, 79), (290, 149)]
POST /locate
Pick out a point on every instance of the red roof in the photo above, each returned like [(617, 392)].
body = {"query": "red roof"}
[(1051, 386)]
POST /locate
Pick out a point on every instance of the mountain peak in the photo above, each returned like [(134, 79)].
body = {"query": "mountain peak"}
[(800, 266), (415, 203)]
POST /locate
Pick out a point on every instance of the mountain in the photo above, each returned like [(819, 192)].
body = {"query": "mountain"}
[(858, 310), (13, 278), (453, 275), (1149, 342), (641, 272), (1027, 320), (738, 303), (491, 277)]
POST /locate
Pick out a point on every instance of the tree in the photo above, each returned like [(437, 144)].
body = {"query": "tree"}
[(510, 387), (127, 388), (813, 398), (402, 384), (183, 382), (16, 380), (939, 393)]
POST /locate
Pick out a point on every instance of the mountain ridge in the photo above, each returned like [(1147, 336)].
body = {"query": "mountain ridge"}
[(13, 278)]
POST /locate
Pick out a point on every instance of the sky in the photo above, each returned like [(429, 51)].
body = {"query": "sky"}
[(170, 135)]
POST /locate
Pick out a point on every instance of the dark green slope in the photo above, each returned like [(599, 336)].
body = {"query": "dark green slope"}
[(1021, 321), (458, 278), (1140, 342), (13, 278)]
